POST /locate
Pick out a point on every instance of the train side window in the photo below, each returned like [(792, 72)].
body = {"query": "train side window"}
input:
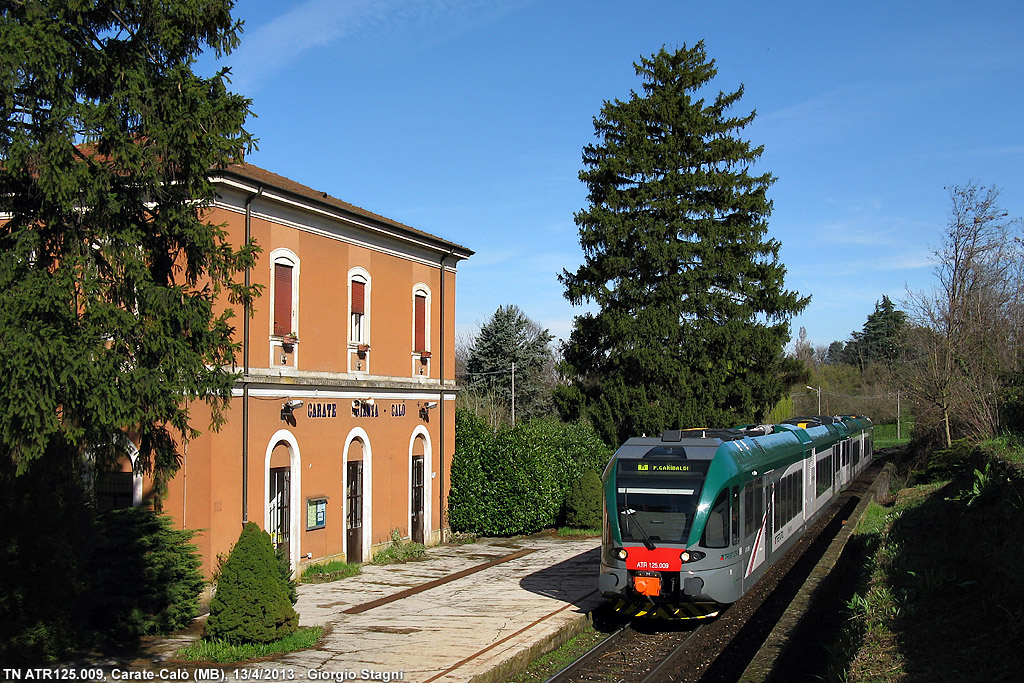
[(821, 476), (735, 515), (748, 508), (787, 499), (798, 498), (716, 532), (758, 502)]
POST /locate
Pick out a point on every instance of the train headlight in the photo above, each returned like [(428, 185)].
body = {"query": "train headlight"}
[(621, 553), (691, 555)]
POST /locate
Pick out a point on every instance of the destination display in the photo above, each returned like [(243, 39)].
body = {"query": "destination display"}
[(663, 467)]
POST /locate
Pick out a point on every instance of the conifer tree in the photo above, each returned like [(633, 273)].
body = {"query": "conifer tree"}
[(109, 272), (511, 337), (252, 603), (692, 312)]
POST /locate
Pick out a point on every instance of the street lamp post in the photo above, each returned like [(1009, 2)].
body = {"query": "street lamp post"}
[(819, 397)]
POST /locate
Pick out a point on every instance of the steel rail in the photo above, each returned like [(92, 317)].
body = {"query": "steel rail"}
[(655, 673), (591, 654)]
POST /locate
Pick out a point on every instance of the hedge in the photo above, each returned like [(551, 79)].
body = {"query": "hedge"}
[(516, 480)]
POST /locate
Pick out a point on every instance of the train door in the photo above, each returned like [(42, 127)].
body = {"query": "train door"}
[(808, 502), (837, 464), (755, 523), (823, 477)]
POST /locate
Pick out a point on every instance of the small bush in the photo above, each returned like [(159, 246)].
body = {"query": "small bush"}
[(147, 574), (462, 538), (251, 604), (399, 551), (284, 565), (583, 505)]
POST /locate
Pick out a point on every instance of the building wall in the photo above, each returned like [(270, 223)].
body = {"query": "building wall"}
[(411, 412)]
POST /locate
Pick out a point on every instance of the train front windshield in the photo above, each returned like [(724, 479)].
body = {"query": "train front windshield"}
[(658, 498)]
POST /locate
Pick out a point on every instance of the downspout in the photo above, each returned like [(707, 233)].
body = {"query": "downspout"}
[(245, 361), (441, 408)]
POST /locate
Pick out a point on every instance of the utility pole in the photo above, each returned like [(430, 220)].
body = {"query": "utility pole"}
[(819, 396), (513, 394)]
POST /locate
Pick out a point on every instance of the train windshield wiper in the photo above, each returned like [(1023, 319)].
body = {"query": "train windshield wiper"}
[(648, 543)]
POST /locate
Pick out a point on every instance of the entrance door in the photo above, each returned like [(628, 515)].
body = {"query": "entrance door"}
[(280, 508), (417, 498), (354, 511)]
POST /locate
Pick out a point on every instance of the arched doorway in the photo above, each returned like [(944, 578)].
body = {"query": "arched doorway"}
[(279, 497), (420, 469), (354, 502), (282, 473), (416, 492)]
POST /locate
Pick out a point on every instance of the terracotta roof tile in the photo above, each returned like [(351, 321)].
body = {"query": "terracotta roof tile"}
[(264, 177)]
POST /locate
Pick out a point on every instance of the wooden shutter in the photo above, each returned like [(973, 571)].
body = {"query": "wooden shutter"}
[(282, 298), (358, 297), (421, 323)]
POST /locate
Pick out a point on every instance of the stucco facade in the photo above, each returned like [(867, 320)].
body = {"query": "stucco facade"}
[(357, 321)]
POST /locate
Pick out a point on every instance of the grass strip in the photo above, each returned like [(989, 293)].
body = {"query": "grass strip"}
[(223, 653)]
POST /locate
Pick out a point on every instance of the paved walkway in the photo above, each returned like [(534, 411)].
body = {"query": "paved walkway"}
[(464, 613)]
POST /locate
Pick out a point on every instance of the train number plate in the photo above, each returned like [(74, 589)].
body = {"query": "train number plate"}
[(659, 559)]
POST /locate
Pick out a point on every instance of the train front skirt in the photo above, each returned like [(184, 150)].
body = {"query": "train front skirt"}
[(683, 610)]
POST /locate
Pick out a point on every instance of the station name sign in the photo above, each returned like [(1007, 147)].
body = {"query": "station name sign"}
[(316, 410)]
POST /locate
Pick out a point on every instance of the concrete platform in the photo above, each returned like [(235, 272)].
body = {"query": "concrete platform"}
[(475, 612)]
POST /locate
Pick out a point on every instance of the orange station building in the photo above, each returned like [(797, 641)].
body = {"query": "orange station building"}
[(341, 428)]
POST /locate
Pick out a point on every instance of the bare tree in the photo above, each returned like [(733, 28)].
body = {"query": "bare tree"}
[(969, 324)]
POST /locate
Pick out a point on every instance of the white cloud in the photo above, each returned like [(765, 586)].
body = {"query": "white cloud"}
[(272, 47)]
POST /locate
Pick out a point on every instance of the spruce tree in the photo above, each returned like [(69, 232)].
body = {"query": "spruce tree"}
[(252, 602), (692, 312), (112, 282), (511, 337)]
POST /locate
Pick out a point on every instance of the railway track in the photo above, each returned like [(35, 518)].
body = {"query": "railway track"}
[(628, 654), (651, 651)]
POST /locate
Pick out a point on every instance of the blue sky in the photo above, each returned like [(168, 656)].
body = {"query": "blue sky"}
[(467, 118)]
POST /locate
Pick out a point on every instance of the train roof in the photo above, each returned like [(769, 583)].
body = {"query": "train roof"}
[(747, 447), (692, 444)]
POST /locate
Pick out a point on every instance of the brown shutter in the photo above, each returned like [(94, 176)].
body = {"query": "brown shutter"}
[(282, 298), (421, 323), (358, 297)]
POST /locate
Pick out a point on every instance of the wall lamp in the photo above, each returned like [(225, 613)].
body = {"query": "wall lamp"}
[(425, 408), (287, 410)]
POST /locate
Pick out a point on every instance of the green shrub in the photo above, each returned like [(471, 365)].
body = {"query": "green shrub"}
[(284, 565), (399, 551), (473, 439), (147, 574), (251, 604), (516, 480), (47, 539), (583, 505)]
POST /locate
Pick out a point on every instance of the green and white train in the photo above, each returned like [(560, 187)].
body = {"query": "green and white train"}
[(693, 518)]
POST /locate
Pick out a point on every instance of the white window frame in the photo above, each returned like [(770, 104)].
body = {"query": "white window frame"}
[(361, 275), (285, 257)]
